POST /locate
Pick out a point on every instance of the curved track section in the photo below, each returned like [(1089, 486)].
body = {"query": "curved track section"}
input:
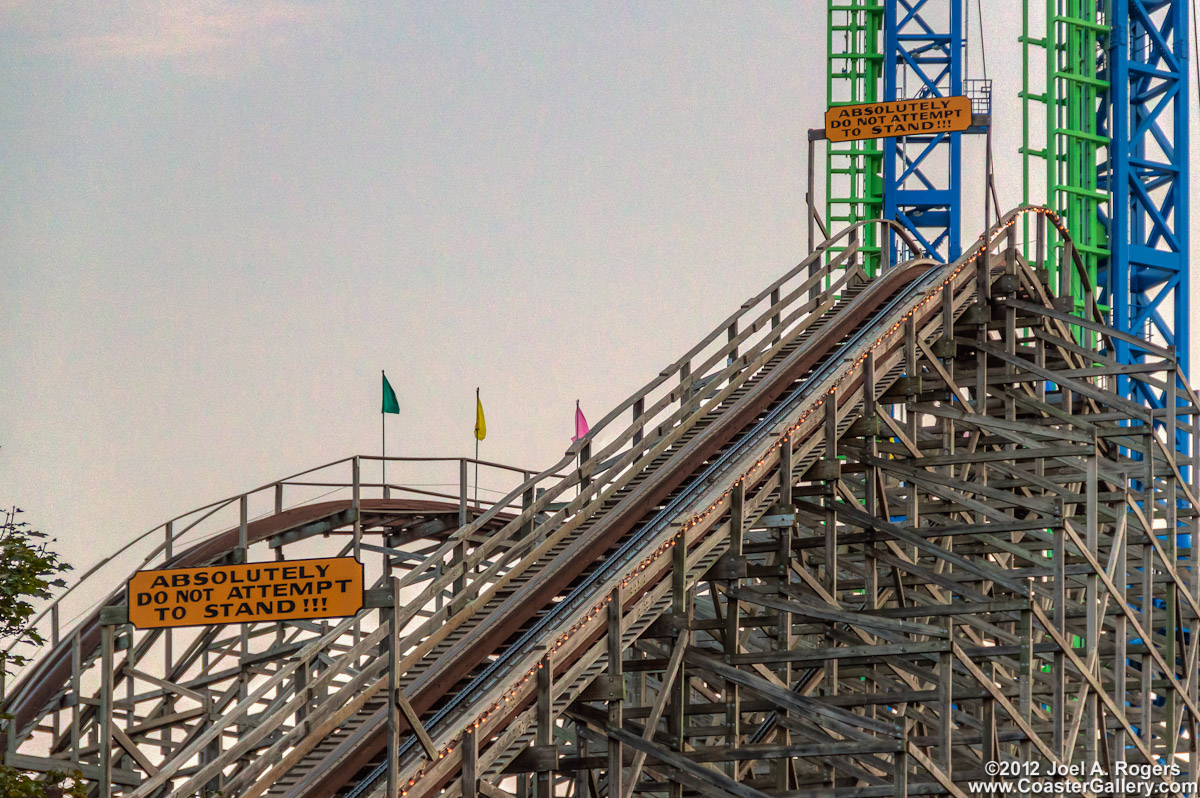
[(521, 611)]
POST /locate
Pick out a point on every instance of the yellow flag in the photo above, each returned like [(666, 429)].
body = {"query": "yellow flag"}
[(480, 424)]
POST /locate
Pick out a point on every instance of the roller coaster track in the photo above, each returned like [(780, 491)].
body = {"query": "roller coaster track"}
[(697, 599)]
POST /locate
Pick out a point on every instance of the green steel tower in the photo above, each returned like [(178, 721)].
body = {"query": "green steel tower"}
[(1061, 132), (854, 74)]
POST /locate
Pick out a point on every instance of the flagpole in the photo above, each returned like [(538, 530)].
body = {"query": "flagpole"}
[(383, 436), (476, 454)]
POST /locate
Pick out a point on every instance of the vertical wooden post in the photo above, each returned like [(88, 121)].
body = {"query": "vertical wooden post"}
[(831, 460), (946, 699), (470, 764), (733, 610), (168, 636), (1149, 571), (243, 527), (639, 407), (527, 499), (615, 720), (243, 629), (390, 614), (873, 497), (464, 513), (990, 754), (1193, 566), (1119, 667), (582, 774), (76, 721), (585, 454), (1026, 673), (1146, 726), (1092, 598), (677, 704), (900, 777), (1058, 676), (356, 493), (460, 550), (1040, 251), (912, 370), (685, 391), (1169, 512), (544, 733), (983, 287), (1065, 267), (810, 195), (783, 628), (106, 709)]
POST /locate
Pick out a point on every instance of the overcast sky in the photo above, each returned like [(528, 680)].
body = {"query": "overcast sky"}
[(221, 218)]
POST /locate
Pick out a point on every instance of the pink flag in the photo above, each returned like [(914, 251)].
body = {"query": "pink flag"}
[(581, 425)]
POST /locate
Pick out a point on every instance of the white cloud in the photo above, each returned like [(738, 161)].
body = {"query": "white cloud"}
[(160, 30)]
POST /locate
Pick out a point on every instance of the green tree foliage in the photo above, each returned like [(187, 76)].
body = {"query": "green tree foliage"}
[(29, 571), (15, 784)]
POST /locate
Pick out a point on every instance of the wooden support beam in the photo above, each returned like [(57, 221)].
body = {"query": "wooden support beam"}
[(615, 720), (708, 781), (414, 723), (656, 711)]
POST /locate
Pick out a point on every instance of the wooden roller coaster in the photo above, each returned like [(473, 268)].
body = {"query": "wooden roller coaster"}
[(864, 538)]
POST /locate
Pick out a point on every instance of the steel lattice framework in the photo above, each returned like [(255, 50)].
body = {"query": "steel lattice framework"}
[(922, 175), (1075, 143), (897, 50), (1114, 92), (1147, 108), (854, 74), (863, 537)]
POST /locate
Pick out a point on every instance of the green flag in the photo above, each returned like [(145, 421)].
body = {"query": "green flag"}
[(390, 403)]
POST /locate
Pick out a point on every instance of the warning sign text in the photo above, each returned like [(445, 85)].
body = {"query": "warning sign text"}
[(273, 591), (927, 116)]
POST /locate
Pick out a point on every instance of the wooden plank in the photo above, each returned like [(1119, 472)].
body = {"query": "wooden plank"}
[(836, 615), (1096, 686), (840, 652), (935, 771), (131, 748), (751, 752), (492, 791), (717, 783), (844, 722), (660, 703), (1071, 319)]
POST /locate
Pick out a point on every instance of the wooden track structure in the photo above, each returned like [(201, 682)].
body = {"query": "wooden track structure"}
[(827, 552)]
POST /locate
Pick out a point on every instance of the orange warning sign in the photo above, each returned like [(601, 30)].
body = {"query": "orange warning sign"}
[(899, 118), (261, 591)]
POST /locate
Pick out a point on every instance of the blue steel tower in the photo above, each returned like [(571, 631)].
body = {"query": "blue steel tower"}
[(1114, 96), (1145, 282), (1114, 99), (922, 175)]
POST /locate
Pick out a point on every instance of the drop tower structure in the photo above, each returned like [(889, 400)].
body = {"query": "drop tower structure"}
[(1104, 142)]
